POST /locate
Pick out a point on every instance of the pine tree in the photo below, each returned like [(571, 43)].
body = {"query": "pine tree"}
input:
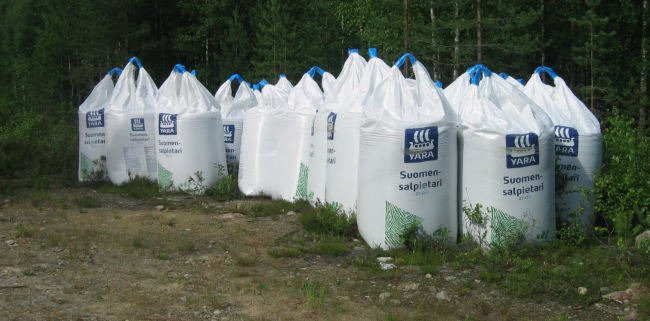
[(235, 49), (276, 43)]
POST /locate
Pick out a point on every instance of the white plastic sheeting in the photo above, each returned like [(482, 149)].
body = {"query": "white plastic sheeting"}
[(578, 145), (343, 148), (130, 128), (233, 122), (92, 133), (260, 143), (343, 89), (189, 134), (407, 160), (295, 140), (508, 164)]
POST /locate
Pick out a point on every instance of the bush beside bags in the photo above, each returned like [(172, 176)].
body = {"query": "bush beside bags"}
[(295, 139), (92, 133), (407, 160), (233, 122), (189, 134), (507, 164), (260, 143), (130, 128), (578, 145)]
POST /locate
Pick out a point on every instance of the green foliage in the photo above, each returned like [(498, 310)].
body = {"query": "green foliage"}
[(410, 236), (315, 292), (285, 252), (136, 187), (266, 208), (87, 202), (325, 219), (330, 248), (623, 187), (245, 261), (226, 189), (23, 231)]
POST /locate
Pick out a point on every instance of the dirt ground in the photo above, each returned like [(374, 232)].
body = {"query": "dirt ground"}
[(127, 260)]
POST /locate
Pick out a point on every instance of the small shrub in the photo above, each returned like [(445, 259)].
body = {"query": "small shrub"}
[(225, 190), (327, 220)]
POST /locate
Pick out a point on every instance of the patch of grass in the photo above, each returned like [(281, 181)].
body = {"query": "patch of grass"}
[(330, 248), (368, 263), (242, 274), (137, 242), (87, 202), (22, 231), (489, 277), (186, 247), (285, 252), (225, 190), (315, 293), (53, 239), (329, 220), (136, 187), (245, 261), (429, 269), (266, 208), (38, 198), (162, 256), (29, 272)]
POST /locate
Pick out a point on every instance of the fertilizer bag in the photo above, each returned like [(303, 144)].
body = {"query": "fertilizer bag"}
[(407, 160), (233, 123), (130, 128), (456, 90), (92, 133), (578, 145), (189, 135)]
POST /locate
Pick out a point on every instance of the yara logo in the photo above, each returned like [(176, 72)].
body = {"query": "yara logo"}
[(331, 121), (229, 133), (566, 141), (167, 124), (522, 150), (95, 118), (421, 144), (137, 124)]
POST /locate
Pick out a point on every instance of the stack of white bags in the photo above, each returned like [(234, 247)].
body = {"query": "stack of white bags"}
[(397, 152)]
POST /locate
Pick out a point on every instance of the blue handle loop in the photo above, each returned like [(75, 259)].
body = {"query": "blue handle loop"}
[(236, 76), (351, 51), (521, 81), (315, 69), (179, 68), (282, 76), (401, 60), (114, 71), (504, 75), (548, 70), (193, 73), (438, 83), (471, 70), (263, 83), (136, 60), (372, 52), (249, 84), (256, 87), (476, 75)]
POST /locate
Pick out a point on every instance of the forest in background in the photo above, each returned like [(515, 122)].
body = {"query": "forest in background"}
[(53, 52)]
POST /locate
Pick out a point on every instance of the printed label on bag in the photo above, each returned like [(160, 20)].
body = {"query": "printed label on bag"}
[(167, 124), (566, 141), (522, 150), (421, 144), (95, 118), (137, 124), (331, 121), (229, 133)]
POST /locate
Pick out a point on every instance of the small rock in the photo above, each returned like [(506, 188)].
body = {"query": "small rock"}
[(387, 266), (395, 301), (442, 295), (450, 278), (160, 207), (411, 287), (291, 213), (229, 216), (384, 296), (604, 290), (385, 259), (355, 240), (562, 269), (619, 296), (428, 276), (10, 242), (631, 317), (358, 249), (582, 290), (642, 237), (216, 312)]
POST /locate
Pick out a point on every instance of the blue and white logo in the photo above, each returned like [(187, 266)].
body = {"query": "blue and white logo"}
[(566, 141), (522, 150), (421, 144), (331, 121), (137, 124), (95, 118), (167, 124), (229, 133)]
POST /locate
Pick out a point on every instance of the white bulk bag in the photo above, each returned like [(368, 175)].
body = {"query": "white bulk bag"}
[(224, 93), (130, 128), (407, 160), (284, 84), (233, 123), (343, 88), (295, 140), (578, 144), (92, 133), (328, 80), (517, 83), (508, 166), (258, 93), (189, 134), (260, 143), (343, 147), (456, 90)]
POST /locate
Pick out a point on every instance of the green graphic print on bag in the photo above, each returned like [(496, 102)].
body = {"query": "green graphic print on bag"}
[(303, 178), (506, 228), (164, 177), (397, 220)]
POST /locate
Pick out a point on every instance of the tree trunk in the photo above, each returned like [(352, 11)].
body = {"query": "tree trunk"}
[(456, 41), (433, 38), (644, 68), (479, 36), (406, 30), (543, 34), (591, 65)]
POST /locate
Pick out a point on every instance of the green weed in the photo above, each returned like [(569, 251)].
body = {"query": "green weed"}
[(245, 261), (22, 231), (285, 252), (328, 220), (87, 202), (226, 189), (136, 187), (330, 248), (186, 247), (315, 293)]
